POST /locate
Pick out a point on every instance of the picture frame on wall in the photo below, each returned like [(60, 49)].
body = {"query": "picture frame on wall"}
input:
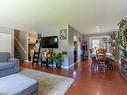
[(63, 34)]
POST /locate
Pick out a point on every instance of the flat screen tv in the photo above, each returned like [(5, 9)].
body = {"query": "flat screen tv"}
[(49, 42)]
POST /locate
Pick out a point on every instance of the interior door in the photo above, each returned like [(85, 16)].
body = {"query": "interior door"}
[(5, 42)]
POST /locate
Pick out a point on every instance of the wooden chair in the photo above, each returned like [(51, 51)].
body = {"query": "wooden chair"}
[(101, 54), (94, 64), (109, 64), (44, 59), (47, 58), (109, 61)]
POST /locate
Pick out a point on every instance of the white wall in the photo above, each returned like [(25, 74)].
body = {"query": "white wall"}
[(5, 42), (11, 32), (32, 37), (71, 32)]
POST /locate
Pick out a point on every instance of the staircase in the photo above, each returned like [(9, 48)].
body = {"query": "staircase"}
[(19, 51), (17, 54)]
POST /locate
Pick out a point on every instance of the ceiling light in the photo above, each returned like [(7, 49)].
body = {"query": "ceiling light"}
[(98, 28)]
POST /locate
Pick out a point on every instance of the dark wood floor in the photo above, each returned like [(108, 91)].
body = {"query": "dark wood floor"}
[(87, 82)]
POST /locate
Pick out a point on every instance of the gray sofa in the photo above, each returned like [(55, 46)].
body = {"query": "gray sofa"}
[(14, 83), (8, 65)]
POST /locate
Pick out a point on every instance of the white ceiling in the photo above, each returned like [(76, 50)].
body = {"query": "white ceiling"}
[(84, 15)]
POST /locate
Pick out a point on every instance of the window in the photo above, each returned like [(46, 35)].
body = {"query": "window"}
[(98, 43), (95, 44)]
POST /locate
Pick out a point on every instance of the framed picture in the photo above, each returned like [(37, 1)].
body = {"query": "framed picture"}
[(63, 34)]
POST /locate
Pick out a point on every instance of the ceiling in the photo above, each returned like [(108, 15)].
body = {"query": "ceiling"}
[(84, 15)]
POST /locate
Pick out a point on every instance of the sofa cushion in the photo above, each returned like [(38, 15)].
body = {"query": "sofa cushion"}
[(4, 56), (5, 65)]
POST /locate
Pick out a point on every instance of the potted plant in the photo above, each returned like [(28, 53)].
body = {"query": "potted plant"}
[(120, 40), (58, 58)]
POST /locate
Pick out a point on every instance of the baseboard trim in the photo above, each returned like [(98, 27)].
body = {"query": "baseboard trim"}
[(71, 65), (26, 61), (63, 67), (79, 60)]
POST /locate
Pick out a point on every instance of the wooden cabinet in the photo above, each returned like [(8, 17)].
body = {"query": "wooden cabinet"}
[(123, 69)]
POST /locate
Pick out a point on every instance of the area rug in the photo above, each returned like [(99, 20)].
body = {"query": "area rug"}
[(49, 84)]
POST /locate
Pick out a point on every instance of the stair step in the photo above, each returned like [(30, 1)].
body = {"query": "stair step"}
[(17, 54), (18, 57)]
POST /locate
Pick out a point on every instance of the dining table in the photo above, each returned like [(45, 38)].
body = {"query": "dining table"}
[(108, 55), (109, 59)]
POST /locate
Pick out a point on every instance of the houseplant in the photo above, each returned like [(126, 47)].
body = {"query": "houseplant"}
[(58, 58), (119, 41)]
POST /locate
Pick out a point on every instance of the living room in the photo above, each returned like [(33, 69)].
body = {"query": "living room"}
[(68, 47)]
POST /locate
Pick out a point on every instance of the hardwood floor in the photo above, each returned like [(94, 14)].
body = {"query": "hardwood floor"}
[(87, 82)]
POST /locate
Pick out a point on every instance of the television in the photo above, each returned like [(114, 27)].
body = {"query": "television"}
[(49, 42)]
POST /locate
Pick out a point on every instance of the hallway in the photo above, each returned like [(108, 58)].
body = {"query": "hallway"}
[(88, 82)]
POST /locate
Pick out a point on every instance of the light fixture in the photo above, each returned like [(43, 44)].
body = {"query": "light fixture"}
[(98, 28)]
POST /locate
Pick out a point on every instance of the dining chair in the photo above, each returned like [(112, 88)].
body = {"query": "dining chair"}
[(94, 64), (101, 55), (109, 62), (47, 58)]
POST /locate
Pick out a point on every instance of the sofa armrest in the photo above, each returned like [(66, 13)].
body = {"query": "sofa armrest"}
[(13, 60), (16, 62)]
